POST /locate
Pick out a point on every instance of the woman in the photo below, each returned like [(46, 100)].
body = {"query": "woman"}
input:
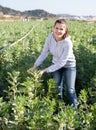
[(63, 66)]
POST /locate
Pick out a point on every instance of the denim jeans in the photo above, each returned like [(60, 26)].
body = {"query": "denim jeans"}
[(69, 75)]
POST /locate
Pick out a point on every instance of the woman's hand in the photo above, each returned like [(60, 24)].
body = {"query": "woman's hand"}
[(31, 69), (41, 72)]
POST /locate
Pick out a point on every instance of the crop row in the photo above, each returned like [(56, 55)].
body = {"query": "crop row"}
[(29, 102)]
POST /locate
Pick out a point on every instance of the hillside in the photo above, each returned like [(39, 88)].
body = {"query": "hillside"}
[(38, 13), (35, 13), (6, 12)]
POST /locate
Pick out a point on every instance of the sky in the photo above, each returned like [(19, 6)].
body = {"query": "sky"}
[(73, 7)]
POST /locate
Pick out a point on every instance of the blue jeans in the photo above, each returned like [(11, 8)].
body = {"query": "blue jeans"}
[(69, 75)]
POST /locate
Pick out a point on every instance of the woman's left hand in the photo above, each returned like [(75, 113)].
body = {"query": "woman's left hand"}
[(41, 72)]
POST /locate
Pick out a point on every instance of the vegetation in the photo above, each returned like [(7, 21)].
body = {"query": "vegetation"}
[(29, 102)]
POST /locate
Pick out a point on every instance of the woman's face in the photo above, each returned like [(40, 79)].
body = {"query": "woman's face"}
[(59, 31)]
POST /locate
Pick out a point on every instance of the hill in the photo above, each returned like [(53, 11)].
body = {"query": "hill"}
[(33, 13), (6, 12), (38, 13)]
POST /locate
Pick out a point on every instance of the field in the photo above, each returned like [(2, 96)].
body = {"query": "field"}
[(29, 102)]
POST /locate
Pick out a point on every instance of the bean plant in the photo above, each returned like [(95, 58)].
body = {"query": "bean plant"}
[(31, 102)]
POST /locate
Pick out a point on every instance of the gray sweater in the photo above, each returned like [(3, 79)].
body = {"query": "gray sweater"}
[(62, 52)]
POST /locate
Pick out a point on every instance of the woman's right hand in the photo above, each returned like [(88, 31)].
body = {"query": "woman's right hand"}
[(31, 69)]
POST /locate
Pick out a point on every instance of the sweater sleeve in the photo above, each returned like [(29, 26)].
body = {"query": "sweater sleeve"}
[(43, 54)]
